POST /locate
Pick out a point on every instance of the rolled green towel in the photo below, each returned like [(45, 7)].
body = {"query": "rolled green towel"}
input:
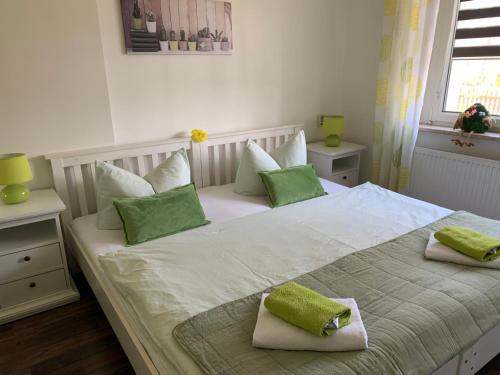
[(469, 242), (307, 309)]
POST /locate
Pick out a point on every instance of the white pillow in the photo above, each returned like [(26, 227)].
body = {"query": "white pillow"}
[(113, 182), (172, 173), (254, 159), (293, 153)]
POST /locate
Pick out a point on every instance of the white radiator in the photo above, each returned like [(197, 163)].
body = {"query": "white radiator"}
[(456, 181)]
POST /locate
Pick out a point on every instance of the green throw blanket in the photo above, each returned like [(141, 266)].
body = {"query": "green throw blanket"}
[(419, 314), (307, 309), (469, 242)]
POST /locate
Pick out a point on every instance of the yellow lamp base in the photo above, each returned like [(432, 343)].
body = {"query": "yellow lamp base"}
[(14, 194), (333, 140)]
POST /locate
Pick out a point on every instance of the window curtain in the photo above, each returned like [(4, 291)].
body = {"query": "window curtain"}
[(405, 53)]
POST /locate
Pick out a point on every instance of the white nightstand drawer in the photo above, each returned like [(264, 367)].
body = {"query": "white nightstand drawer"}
[(29, 262), (31, 288), (349, 178)]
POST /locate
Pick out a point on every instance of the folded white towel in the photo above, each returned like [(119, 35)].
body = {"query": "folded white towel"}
[(437, 251), (272, 332)]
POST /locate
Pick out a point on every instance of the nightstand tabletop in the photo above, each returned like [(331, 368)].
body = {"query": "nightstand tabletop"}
[(343, 149), (41, 202)]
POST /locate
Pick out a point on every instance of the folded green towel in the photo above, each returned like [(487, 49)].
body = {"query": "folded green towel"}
[(471, 243), (307, 309)]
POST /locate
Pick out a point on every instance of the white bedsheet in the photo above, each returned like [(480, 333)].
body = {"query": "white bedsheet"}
[(220, 204), (359, 218)]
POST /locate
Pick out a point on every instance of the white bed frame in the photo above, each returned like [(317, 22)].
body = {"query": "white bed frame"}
[(213, 162)]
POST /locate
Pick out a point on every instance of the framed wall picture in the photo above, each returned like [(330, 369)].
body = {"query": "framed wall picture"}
[(172, 27)]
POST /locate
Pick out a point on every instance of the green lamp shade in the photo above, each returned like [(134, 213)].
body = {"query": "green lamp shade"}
[(333, 125), (14, 170)]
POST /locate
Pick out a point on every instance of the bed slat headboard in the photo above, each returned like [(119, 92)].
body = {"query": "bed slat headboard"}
[(213, 162), (220, 155)]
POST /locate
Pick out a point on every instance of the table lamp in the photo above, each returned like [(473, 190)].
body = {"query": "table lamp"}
[(333, 127), (14, 171)]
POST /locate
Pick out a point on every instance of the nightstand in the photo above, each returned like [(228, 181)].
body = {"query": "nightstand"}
[(337, 164), (33, 272)]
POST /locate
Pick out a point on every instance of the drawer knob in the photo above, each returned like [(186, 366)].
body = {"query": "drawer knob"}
[(27, 258), (345, 177), (32, 285)]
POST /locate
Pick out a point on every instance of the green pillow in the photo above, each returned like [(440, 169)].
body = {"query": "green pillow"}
[(295, 184), (160, 215)]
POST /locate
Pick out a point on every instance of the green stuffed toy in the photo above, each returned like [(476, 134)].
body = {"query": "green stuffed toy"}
[(475, 119)]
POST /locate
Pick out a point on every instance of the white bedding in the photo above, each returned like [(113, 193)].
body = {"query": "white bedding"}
[(220, 204), (197, 278)]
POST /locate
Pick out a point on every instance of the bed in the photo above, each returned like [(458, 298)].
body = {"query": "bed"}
[(382, 215)]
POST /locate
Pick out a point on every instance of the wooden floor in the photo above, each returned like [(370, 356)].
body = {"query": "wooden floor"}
[(72, 339), (76, 339)]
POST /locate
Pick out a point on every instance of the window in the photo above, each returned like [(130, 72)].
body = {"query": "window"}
[(475, 64), (471, 54)]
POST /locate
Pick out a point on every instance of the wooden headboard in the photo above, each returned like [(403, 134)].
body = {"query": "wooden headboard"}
[(213, 162)]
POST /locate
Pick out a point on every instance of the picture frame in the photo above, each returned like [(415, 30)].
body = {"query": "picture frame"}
[(178, 27)]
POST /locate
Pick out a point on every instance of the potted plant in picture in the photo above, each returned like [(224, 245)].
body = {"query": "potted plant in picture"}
[(163, 39), (136, 17), (192, 42), (205, 40), (151, 22), (225, 45), (183, 44), (174, 43), (216, 39)]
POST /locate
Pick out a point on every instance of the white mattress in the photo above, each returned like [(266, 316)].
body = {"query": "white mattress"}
[(378, 214)]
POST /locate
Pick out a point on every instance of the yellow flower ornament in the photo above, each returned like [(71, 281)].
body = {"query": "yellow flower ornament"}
[(199, 135)]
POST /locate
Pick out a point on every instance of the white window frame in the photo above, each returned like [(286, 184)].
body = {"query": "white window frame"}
[(437, 83)]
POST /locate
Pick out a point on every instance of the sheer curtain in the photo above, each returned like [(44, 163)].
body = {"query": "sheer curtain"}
[(405, 53)]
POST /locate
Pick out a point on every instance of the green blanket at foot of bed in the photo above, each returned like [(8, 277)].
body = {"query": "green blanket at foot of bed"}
[(418, 313)]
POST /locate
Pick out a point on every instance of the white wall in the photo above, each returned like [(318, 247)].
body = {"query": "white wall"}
[(294, 60), (69, 83), (364, 31), (287, 68), (53, 89)]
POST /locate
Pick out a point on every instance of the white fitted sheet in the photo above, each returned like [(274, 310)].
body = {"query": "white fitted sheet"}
[(359, 218)]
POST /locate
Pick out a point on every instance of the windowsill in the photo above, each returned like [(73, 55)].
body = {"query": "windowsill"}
[(490, 136)]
